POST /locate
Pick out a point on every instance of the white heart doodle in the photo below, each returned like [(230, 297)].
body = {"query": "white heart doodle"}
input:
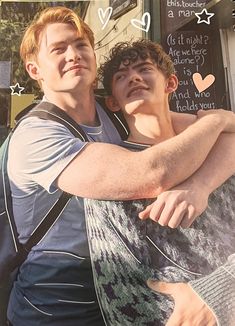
[(142, 24), (104, 15)]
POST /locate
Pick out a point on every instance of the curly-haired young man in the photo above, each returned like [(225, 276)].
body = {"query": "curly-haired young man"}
[(139, 77)]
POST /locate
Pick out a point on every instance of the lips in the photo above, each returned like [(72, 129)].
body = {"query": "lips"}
[(136, 88), (74, 67)]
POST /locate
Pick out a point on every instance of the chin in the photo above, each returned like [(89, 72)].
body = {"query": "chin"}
[(134, 105)]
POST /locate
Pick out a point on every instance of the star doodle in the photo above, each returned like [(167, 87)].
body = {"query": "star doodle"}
[(16, 89), (201, 19)]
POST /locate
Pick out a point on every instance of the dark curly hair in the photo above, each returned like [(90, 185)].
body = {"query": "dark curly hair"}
[(129, 52)]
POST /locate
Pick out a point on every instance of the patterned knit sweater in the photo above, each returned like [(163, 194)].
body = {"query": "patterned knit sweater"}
[(126, 251)]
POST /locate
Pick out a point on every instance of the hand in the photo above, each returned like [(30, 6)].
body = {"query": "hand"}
[(189, 310), (177, 207), (228, 117)]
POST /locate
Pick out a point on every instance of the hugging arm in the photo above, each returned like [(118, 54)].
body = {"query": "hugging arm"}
[(122, 174), (183, 203), (220, 163)]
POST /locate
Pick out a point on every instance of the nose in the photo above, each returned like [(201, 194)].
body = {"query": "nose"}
[(135, 77), (72, 54)]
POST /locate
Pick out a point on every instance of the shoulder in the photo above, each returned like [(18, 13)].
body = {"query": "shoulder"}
[(33, 131), (37, 139), (182, 121), (39, 150), (32, 125)]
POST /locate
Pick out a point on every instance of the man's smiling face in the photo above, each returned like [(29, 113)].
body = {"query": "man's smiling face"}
[(65, 61), (139, 83)]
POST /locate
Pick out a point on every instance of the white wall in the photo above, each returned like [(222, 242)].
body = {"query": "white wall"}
[(115, 31), (231, 65), (228, 50)]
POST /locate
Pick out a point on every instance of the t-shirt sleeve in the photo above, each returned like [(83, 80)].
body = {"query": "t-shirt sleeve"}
[(39, 151)]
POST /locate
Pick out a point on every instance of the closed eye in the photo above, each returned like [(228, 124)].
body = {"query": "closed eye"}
[(119, 77), (58, 50), (81, 44), (146, 68)]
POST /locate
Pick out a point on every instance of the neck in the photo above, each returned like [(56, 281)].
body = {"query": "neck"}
[(80, 108), (150, 129)]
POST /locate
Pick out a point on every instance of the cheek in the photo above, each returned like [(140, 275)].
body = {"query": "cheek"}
[(94, 67), (121, 87), (55, 64), (59, 66), (117, 93), (90, 63), (89, 57)]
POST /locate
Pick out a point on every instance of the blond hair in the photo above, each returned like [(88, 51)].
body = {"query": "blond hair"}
[(31, 40)]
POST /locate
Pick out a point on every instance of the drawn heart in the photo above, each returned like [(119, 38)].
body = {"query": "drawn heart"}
[(104, 15), (142, 24), (202, 84)]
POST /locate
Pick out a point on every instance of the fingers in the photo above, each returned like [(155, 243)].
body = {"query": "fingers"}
[(183, 214), (178, 215), (173, 321), (189, 308), (157, 286), (174, 209), (161, 287), (173, 216), (153, 211), (143, 215), (157, 211), (188, 218)]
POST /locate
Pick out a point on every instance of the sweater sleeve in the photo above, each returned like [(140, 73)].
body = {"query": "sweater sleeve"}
[(217, 290)]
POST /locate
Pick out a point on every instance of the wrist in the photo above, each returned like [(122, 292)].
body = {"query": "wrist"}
[(216, 120), (197, 183)]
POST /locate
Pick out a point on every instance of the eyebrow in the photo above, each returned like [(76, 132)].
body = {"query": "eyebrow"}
[(140, 64), (52, 45)]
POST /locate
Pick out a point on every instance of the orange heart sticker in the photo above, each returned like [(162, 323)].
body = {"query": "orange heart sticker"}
[(202, 84)]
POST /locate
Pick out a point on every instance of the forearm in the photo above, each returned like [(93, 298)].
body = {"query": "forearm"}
[(218, 166), (188, 150), (218, 291)]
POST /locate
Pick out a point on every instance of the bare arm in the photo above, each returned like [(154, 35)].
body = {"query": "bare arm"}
[(220, 163), (183, 203), (107, 171), (181, 121)]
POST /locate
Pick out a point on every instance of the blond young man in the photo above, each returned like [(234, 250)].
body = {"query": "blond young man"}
[(54, 285)]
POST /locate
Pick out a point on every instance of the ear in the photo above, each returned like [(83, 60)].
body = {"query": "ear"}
[(111, 103), (172, 84), (33, 70)]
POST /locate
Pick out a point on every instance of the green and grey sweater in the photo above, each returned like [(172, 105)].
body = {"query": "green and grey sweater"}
[(126, 251)]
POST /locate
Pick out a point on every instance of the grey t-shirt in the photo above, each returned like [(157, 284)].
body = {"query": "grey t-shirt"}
[(54, 285), (39, 151)]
